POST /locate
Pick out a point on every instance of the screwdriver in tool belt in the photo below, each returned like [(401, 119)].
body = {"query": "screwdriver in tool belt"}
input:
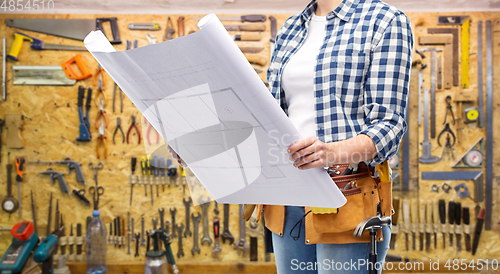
[(19, 179)]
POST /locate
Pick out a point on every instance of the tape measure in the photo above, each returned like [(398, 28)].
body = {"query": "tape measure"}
[(473, 158), (471, 115)]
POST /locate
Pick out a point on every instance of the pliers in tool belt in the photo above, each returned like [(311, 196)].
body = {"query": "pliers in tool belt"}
[(101, 114), (133, 125), (100, 85), (101, 140), (447, 129), (119, 127), (449, 110)]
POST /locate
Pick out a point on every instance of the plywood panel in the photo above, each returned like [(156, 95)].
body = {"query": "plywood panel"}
[(52, 126)]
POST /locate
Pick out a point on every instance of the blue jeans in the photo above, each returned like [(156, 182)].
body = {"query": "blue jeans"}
[(296, 257)]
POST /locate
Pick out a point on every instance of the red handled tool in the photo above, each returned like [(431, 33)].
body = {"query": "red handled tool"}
[(133, 125)]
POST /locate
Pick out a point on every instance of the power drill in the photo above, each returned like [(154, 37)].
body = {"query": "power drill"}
[(44, 253)]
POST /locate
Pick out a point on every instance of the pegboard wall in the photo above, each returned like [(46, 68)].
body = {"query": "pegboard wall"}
[(51, 125)]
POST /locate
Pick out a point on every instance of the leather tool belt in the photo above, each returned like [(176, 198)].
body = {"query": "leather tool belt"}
[(363, 195)]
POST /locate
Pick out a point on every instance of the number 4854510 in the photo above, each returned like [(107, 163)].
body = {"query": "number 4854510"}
[(27, 5)]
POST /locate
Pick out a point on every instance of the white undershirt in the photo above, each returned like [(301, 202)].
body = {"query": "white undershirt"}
[(298, 79)]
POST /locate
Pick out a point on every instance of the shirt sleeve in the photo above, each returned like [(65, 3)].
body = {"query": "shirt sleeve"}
[(386, 89)]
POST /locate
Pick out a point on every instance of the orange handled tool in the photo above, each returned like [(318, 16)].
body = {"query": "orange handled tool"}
[(19, 168), (70, 73)]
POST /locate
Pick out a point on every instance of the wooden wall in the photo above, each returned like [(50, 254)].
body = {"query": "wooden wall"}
[(51, 126)]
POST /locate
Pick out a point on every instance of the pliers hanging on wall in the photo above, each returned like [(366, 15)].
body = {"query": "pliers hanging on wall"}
[(101, 140), (101, 114), (121, 98), (148, 131), (100, 85), (449, 110), (119, 127), (133, 125)]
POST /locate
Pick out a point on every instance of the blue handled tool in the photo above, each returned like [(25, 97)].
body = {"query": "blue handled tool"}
[(37, 44), (85, 134), (44, 253)]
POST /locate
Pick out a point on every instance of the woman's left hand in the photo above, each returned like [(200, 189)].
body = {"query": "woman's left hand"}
[(310, 153)]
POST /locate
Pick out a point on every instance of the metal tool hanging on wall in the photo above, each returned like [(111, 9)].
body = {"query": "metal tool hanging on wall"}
[(76, 29), (464, 22), (9, 203), (427, 156), (433, 91), (489, 127)]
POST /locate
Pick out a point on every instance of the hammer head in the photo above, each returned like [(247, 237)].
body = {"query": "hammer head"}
[(375, 222)]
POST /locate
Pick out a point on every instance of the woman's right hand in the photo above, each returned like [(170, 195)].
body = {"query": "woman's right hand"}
[(177, 157)]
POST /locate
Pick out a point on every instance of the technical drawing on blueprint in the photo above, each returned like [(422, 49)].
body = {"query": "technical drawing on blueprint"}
[(207, 102)]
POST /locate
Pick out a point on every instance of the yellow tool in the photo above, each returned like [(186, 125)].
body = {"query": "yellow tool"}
[(19, 38), (36, 44), (465, 53), (383, 171)]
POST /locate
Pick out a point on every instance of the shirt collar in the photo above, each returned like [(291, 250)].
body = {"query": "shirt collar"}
[(344, 11)]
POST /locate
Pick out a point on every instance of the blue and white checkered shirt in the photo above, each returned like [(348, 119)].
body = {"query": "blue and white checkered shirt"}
[(362, 73)]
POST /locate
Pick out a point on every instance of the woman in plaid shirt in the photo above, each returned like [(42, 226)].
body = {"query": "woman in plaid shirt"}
[(341, 72)]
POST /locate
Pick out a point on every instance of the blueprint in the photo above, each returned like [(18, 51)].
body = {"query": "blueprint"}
[(203, 97)]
